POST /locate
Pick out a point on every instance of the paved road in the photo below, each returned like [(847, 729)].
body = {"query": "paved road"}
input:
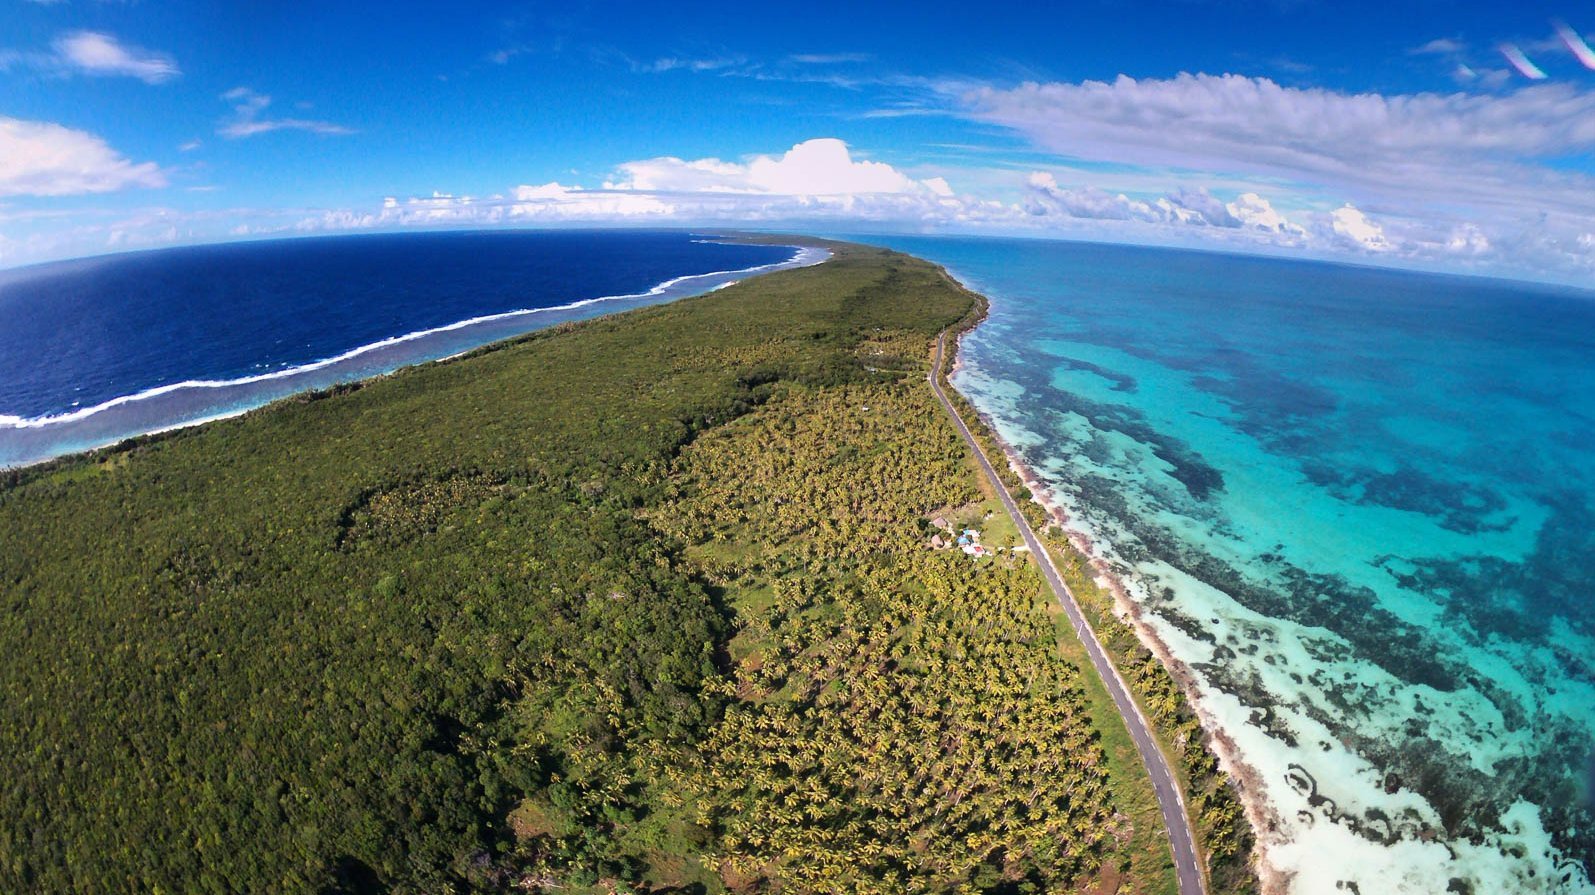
[(1189, 868)]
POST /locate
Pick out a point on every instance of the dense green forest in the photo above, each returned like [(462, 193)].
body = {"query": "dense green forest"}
[(638, 604), (1224, 835)]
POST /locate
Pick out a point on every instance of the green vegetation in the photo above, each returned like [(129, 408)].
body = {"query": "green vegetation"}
[(903, 721), (1224, 835), (1216, 812), (638, 604)]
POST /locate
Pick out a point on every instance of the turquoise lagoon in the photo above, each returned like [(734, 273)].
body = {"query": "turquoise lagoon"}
[(1359, 506)]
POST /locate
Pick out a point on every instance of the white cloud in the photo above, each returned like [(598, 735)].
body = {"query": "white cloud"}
[(550, 202), (553, 200), (247, 108), (815, 180), (1047, 197), (1255, 212), (1468, 239), (1356, 230), (1440, 46), (1251, 222), (821, 183), (1184, 206), (1206, 208), (98, 53), (1465, 180), (38, 158), (822, 167), (504, 55), (676, 63), (1418, 145)]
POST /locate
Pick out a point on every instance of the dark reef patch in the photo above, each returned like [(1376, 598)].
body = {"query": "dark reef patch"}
[(1200, 478), (1306, 598), (1122, 382), (1520, 600), (1457, 506)]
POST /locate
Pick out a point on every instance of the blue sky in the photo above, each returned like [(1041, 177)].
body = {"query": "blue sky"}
[(1456, 136)]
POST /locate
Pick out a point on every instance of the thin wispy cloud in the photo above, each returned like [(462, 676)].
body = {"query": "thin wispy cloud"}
[(248, 120), (839, 70), (1440, 46), (907, 111), (94, 54), (678, 63), (100, 54), (829, 58), (503, 55)]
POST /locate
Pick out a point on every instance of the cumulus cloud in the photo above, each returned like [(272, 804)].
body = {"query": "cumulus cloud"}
[(1468, 239), (815, 180), (1250, 221), (1047, 197), (821, 167), (38, 158), (98, 53), (247, 121), (1184, 206), (1254, 212), (1354, 228), (1204, 206)]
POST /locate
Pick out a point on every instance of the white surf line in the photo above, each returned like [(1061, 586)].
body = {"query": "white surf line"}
[(806, 256)]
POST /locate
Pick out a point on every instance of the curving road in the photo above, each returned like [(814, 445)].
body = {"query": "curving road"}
[(1182, 841)]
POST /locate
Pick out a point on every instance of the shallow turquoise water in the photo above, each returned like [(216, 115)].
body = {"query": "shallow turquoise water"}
[(1358, 504)]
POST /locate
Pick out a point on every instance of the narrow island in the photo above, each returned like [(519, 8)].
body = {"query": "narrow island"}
[(668, 601)]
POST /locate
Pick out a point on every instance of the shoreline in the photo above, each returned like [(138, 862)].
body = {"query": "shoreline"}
[(196, 402), (1248, 785)]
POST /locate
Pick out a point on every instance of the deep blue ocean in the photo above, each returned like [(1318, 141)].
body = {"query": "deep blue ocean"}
[(99, 349), (1359, 506)]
